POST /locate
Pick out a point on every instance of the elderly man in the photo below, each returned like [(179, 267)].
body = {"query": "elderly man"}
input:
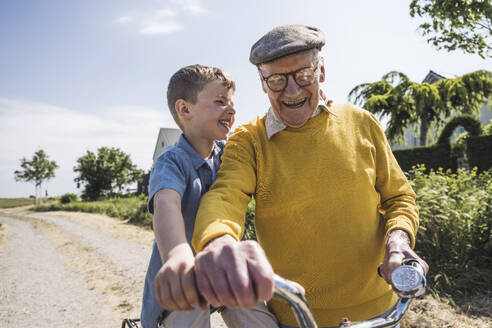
[(321, 175)]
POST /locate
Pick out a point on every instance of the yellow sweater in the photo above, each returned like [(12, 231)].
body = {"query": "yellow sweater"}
[(318, 190)]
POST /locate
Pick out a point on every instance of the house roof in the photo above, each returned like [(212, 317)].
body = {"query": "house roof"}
[(433, 76)]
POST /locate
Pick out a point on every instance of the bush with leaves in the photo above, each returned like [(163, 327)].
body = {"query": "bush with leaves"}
[(455, 234), (249, 229), (68, 198), (133, 209)]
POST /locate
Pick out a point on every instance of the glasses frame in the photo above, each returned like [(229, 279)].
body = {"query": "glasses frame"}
[(314, 68)]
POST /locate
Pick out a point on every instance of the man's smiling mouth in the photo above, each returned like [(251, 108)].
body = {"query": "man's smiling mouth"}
[(297, 103)]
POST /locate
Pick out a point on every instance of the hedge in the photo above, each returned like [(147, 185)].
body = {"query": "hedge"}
[(479, 152), (433, 157)]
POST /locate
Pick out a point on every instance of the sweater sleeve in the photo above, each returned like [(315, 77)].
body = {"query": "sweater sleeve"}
[(397, 202), (222, 209)]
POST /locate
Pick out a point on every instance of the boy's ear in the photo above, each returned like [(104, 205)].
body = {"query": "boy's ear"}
[(182, 108)]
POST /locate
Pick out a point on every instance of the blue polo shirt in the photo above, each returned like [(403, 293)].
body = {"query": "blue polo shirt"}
[(179, 168)]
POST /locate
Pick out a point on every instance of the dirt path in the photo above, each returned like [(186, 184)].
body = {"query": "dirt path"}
[(71, 270)]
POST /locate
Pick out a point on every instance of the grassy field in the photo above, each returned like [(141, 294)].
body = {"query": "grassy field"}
[(132, 209), (15, 202)]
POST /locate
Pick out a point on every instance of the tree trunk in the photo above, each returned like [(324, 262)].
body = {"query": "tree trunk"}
[(36, 199), (424, 128)]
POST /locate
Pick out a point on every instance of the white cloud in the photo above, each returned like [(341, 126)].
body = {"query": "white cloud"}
[(154, 27), (123, 20), (193, 7), (67, 134), (165, 13), (164, 20)]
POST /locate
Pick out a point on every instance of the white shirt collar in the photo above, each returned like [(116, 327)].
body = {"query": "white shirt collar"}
[(273, 125)]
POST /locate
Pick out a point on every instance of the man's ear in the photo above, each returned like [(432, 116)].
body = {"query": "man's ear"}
[(264, 86), (322, 74), (182, 108)]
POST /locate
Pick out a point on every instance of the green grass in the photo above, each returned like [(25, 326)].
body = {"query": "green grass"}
[(15, 202), (133, 209)]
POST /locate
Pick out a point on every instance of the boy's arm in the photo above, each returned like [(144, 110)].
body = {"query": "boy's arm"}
[(175, 282)]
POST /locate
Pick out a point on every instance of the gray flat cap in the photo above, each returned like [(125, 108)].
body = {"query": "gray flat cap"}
[(285, 40)]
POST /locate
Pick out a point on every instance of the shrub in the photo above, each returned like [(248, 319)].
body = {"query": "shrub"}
[(68, 198), (455, 229), (249, 229)]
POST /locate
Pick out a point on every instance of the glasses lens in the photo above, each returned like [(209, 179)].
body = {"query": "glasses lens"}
[(276, 82), (305, 76)]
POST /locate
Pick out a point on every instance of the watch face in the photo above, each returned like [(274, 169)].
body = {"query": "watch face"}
[(406, 278)]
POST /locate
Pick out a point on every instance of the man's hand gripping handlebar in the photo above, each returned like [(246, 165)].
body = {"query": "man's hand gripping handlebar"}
[(408, 281)]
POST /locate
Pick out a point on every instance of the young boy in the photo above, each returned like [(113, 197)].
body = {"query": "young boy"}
[(200, 101)]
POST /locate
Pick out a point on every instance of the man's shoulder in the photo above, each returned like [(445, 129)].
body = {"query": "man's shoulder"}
[(349, 110), (354, 114), (255, 127)]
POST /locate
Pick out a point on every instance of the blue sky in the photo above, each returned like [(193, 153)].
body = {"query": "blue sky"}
[(78, 75)]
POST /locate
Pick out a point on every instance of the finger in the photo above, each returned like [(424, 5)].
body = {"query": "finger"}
[(221, 286), (205, 288), (262, 281), (213, 268), (393, 262), (178, 293), (163, 294), (189, 287), (241, 284), (425, 266), (261, 273)]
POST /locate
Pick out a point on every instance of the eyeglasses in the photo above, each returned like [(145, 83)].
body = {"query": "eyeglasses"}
[(303, 77)]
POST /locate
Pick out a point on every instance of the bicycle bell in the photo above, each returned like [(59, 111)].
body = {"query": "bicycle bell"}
[(408, 279)]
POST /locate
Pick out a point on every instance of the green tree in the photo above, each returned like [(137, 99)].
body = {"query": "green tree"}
[(103, 174), (456, 24), (36, 170), (409, 104)]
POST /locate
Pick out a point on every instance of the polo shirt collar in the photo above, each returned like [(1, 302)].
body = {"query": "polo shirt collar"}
[(196, 160), (273, 125)]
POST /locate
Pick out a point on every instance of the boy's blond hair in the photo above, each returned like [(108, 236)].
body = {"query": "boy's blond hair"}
[(187, 82)]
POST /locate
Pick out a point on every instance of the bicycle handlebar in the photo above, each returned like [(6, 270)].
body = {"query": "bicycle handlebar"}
[(408, 282)]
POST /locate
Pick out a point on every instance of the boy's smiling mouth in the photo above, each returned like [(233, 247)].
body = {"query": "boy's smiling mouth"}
[(296, 103), (225, 123)]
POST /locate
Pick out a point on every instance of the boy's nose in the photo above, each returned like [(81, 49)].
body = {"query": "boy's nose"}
[(230, 110)]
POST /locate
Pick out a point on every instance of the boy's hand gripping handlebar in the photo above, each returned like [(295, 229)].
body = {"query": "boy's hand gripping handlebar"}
[(408, 282)]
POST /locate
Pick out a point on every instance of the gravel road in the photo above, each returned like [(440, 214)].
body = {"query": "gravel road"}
[(63, 269)]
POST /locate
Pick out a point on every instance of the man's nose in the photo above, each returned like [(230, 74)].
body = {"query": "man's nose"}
[(292, 88)]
